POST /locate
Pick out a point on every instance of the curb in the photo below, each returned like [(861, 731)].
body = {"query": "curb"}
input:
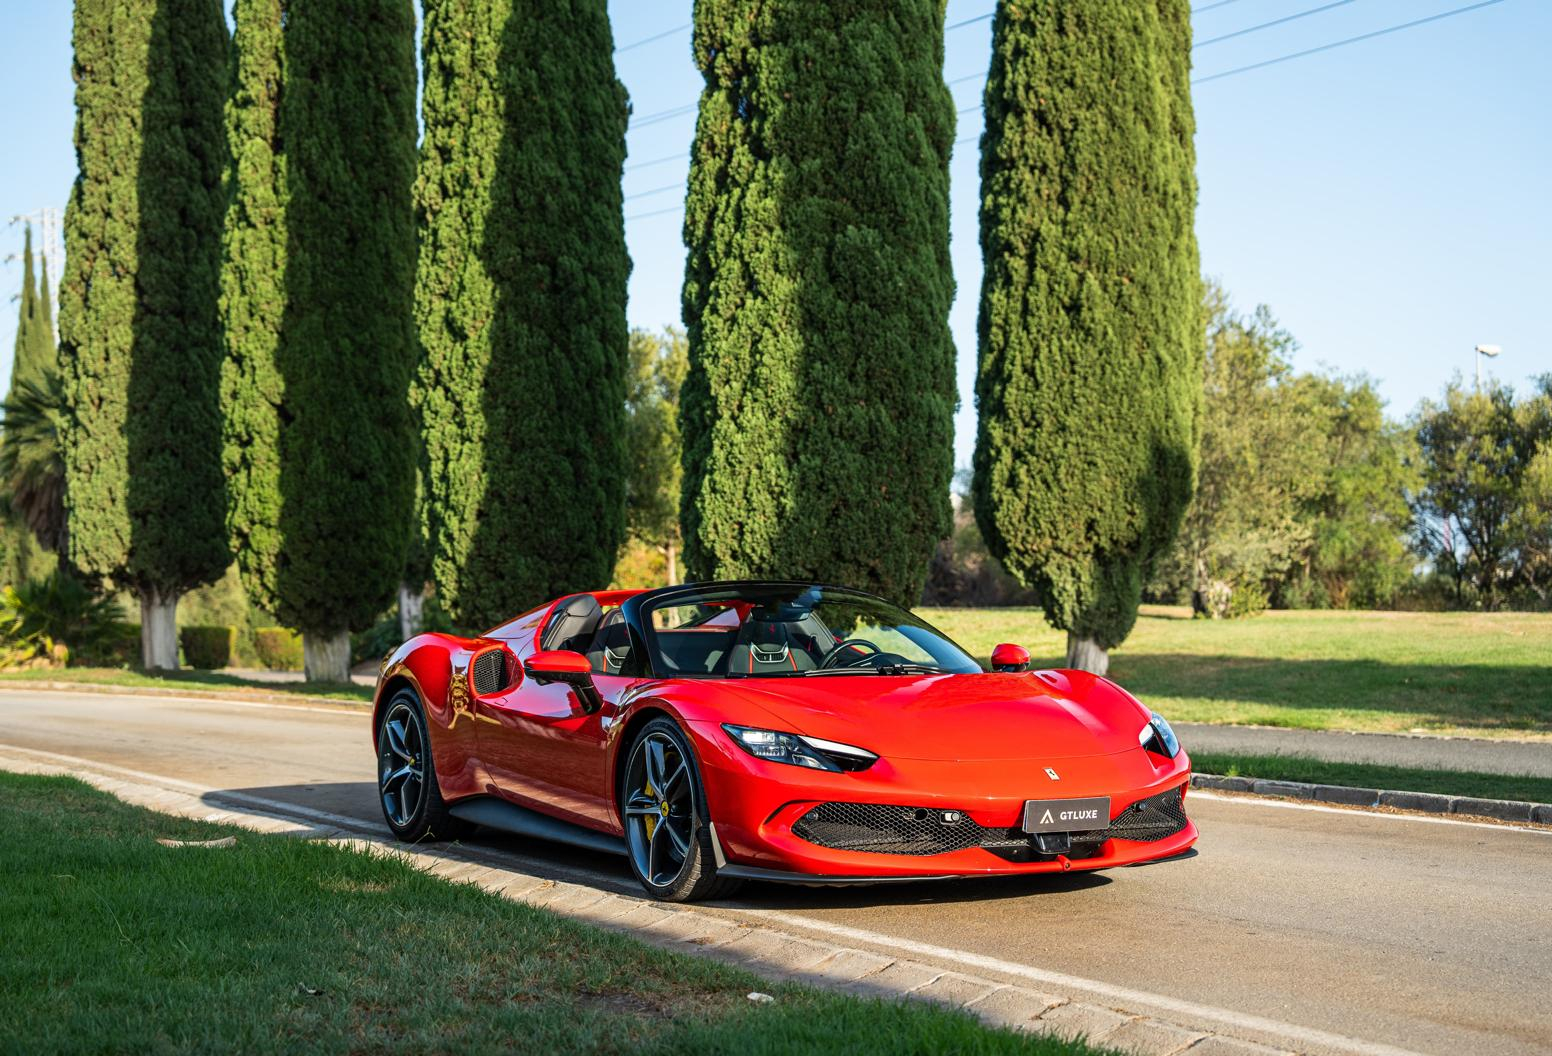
[(1426, 802), (194, 691), (776, 954)]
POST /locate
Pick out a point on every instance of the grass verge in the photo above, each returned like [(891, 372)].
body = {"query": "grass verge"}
[(1363, 775), (1481, 674), (115, 943), (173, 681)]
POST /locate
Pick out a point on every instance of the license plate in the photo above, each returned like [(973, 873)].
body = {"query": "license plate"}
[(1066, 815)]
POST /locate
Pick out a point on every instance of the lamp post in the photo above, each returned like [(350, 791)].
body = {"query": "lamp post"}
[(1484, 350)]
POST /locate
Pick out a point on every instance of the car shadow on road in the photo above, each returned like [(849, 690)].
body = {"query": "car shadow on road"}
[(355, 803)]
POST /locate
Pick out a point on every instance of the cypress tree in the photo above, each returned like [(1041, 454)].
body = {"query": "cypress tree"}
[(321, 253), (253, 297), (818, 410), (520, 302), (1090, 336), (23, 350), (141, 342), (45, 351)]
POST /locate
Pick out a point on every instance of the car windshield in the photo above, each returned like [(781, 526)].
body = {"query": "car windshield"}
[(786, 631)]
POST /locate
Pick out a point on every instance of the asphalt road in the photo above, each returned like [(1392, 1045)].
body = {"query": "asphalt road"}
[(1427, 935), (1385, 749)]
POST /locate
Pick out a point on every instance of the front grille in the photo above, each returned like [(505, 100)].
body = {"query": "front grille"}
[(882, 829), (490, 672), (1151, 819)]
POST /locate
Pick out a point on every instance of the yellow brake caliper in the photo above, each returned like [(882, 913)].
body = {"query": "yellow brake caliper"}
[(651, 819)]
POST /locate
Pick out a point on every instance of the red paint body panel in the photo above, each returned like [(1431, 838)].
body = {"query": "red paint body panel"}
[(981, 744)]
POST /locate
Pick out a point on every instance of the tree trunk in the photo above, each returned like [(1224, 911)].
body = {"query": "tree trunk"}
[(1084, 654), (158, 631), (412, 602), (671, 555), (326, 657)]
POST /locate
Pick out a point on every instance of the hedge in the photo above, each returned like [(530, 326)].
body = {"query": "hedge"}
[(279, 648)]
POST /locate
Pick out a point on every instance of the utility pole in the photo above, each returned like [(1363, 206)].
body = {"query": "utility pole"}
[(1484, 350)]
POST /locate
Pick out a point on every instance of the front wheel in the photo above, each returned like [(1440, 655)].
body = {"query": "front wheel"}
[(663, 805), (406, 778)]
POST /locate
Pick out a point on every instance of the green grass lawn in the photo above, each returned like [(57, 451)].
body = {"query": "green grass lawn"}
[(1364, 775), (199, 680), (110, 942), (1482, 674)]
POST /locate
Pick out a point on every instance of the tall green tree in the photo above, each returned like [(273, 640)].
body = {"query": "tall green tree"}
[(140, 330), (1090, 339), (1482, 476), (1260, 461), (27, 318), (254, 297), (321, 249), (658, 364), (520, 302), (45, 347), (1359, 514), (818, 409)]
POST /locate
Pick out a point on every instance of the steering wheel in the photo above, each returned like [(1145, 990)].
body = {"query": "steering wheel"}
[(854, 643)]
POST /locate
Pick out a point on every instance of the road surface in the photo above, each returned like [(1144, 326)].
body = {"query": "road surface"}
[(1427, 935)]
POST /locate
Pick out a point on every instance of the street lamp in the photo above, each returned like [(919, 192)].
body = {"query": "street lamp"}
[(1484, 350)]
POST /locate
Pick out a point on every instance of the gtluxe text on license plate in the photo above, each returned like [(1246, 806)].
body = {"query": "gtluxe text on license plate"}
[(1066, 815)]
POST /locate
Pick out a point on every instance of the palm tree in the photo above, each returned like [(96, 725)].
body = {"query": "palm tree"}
[(32, 469)]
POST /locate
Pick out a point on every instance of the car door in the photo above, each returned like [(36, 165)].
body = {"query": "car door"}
[(542, 750)]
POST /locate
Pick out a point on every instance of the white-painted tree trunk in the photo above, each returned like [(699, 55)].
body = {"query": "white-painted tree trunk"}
[(1085, 654), (158, 631), (326, 657), (412, 602), (671, 555)]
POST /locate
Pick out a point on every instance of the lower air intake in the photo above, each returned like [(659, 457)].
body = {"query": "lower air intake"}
[(885, 829)]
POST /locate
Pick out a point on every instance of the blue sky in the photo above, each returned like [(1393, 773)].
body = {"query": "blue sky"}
[(1388, 199)]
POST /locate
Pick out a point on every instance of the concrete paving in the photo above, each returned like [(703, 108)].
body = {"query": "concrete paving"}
[(1416, 934), (1417, 752)]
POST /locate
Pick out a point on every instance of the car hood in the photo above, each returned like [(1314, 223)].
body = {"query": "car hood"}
[(1031, 715)]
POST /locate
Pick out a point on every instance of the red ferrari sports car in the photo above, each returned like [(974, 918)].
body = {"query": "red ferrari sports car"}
[(718, 732)]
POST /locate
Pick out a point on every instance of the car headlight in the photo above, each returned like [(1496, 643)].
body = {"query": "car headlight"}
[(798, 750), (1158, 737)]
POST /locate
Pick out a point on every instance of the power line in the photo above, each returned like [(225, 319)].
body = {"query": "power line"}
[(648, 40), (1344, 43), (1269, 25), (655, 212), (969, 21), (656, 190), (660, 116), (681, 156)]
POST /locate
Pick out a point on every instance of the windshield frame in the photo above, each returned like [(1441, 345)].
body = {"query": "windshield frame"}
[(637, 611)]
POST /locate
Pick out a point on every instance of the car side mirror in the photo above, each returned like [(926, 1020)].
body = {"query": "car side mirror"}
[(567, 666), (1010, 657)]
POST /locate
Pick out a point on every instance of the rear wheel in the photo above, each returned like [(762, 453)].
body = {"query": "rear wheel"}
[(406, 778), (667, 830)]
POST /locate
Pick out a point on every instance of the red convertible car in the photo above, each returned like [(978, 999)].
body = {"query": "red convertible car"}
[(719, 732)]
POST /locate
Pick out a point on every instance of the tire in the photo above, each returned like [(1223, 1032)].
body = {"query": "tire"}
[(667, 836), (407, 787)]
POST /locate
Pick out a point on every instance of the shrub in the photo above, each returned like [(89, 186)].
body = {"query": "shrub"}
[(53, 618), (208, 648), (1247, 599), (279, 648)]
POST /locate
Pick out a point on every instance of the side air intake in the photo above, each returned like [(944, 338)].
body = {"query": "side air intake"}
[(489, 672)]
